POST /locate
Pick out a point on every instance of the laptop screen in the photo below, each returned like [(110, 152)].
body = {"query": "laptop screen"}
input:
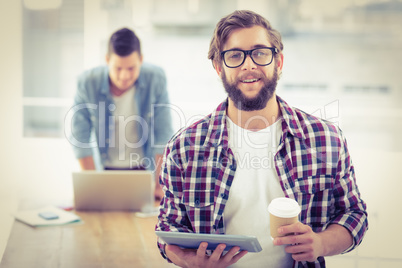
[(113, 190)]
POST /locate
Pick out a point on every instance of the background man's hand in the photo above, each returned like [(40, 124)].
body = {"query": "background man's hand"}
[(198, 258), (158, 193)]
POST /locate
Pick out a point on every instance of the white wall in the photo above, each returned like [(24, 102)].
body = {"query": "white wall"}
[(10, 93), (10, 112)]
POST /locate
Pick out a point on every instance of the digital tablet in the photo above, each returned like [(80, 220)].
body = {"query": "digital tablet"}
[(192, 240)]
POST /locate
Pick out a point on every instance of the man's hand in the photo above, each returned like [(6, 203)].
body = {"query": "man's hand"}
[(304, 244), (87, 163), (158, 193), (198, 258)]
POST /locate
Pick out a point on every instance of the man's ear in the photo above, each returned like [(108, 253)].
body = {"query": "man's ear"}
[(107, 58), (279, 63), (217, 67)]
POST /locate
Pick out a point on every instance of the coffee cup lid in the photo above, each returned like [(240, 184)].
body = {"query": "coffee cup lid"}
[(284, 207)]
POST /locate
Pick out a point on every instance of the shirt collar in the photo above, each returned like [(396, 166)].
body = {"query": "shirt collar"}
[(291, 122), (141, 81), (105, 89), (217, 130)]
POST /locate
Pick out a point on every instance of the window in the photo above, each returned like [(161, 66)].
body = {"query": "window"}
[(52, 58)]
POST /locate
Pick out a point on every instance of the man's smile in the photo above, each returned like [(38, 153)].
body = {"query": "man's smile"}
[(251, 80)]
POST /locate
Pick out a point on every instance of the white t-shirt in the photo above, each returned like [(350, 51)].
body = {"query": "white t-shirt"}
[(255, 184), (125, 145)]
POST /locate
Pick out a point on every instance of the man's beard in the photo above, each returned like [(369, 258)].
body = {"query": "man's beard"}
[(260, 101)]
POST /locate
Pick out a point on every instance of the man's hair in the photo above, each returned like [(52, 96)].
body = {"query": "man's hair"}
[(123, 42), (236, 20)]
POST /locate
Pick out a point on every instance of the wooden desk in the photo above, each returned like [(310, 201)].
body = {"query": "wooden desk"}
[(105, 239)]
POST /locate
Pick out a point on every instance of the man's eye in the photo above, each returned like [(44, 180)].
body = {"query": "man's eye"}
[(235, 55), (260, 54)]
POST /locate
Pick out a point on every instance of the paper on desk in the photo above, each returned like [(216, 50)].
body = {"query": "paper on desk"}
[(148, 211), (31, 217)]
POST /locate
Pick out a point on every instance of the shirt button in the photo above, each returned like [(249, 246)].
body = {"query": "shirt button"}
[(112, 107), (286, 186), (197, 202), (223, 195)]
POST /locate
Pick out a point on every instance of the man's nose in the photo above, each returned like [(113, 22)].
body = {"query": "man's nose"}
[(248, 63), (125, 74)]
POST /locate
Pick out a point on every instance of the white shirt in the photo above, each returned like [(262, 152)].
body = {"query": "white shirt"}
[(254, 186), (125, 145)]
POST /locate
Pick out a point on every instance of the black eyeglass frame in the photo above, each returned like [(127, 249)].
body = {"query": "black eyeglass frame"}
[(274, 51)]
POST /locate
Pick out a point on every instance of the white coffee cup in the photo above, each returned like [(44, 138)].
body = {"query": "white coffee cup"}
[(282, 211)]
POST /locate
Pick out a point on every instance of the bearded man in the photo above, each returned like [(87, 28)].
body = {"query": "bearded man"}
[(220, 174)]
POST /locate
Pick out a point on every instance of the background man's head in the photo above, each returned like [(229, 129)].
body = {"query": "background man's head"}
[(123, 42), (124, 59)]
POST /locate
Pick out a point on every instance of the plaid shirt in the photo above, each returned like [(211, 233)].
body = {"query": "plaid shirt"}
[(312, 163)]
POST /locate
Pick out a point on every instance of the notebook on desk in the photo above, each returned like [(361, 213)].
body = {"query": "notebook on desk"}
[(113, 190)]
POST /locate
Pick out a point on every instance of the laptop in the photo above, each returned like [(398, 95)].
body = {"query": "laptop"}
[(113, 190)]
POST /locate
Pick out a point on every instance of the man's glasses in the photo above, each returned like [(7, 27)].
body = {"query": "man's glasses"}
[(263, 56)]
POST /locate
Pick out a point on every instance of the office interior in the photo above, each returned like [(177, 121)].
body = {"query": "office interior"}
[(341, 63)]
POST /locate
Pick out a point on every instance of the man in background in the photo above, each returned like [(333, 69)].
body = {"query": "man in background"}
[(124, 107), (220, 174)]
